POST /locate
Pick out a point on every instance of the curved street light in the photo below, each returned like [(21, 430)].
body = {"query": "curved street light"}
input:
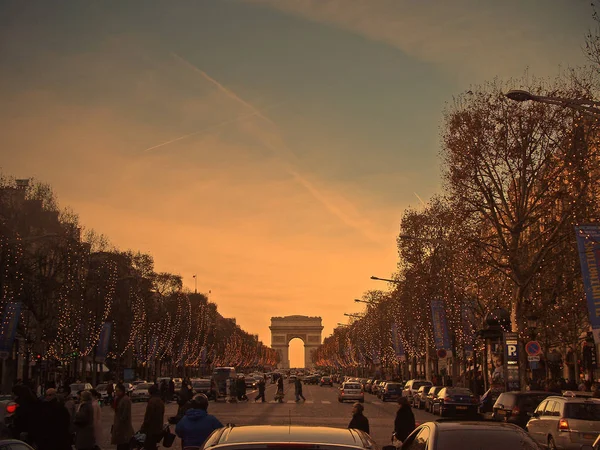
[(586, 106), (385, 279)]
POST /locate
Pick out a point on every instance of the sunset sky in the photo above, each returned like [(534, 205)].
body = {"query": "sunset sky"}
[(268, 146)]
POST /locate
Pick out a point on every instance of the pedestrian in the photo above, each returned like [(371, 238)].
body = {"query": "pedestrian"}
[(96, 399), (261, 391), (152, 426), (54, 422), (359, 421), (25, 417), (196, 424), (298, 389), (280, 393), (241, 389), (405, 420), (84, 423), (122, 429), (110, 391), (164, 390), (171, 389)]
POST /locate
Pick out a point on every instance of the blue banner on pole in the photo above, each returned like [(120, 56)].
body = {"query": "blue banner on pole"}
[(588, 244), (8, 329), (397, 342), (103, 342), (440, 326)]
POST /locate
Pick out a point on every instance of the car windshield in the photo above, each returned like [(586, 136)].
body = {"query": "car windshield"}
[(143, 386), (393, 386), (582, 411), (485, 439), (201, 383), (351, 386)]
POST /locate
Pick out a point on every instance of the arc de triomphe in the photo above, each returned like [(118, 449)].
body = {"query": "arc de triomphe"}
[(284, 329)]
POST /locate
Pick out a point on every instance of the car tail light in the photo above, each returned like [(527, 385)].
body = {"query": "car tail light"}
[(447, 399), (563, 425), (11, 408), (516, 410)]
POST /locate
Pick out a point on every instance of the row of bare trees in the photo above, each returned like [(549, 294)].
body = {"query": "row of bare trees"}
[(70, 283)]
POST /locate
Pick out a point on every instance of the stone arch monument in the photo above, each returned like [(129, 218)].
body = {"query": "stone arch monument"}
[(284, 329)]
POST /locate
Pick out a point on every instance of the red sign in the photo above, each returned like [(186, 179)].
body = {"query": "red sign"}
[(442, 353), (533, 348)]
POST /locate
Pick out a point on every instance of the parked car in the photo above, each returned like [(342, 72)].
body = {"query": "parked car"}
[(351, 390), (565, 422), (368, 385), (325, 381), (516, 407), (454, 401), (140, 392), (102, 390), (250, 382), (487, 400), (378, 386), (391, 391), (412, 386), (264, 437), (419, 397), (468, 435), (202, 386), (431, 396)]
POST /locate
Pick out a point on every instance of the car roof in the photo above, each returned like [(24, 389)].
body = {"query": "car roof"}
[(471, 425), (574, 399), (291, 434)]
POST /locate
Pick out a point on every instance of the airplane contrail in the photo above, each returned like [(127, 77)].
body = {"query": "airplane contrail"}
[(420, 199), (203, 130), (222, 88)]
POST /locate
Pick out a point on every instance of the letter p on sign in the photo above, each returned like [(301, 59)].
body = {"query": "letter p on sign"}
[(512, 350)]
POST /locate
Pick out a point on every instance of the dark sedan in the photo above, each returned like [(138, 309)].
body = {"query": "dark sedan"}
[(455, 401), (391, 391)]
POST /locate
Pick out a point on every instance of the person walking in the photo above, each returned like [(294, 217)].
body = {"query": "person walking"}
[(84, 423), (196, 424), (261, 391), (110, 391), (54, 423), (122, 429), (298, 390), (359, 421), (280, 394), (96, 399), (404, 424), (171, 389), (152, 426)]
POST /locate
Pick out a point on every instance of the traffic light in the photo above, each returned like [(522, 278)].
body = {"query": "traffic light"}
[(75, 354), (38, 357)]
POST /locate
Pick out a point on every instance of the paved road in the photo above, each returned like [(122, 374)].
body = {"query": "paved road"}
[(321, 408)]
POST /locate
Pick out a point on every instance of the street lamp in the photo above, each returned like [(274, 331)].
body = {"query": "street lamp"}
[(356, 316), (385, 279), (368, 302), (586, 106), (532, 324)]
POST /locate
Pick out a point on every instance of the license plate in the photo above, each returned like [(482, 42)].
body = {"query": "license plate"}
[(589, 436), (461, 407), (501, 412)]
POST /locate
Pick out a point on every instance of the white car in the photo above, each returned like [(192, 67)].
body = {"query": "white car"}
[(412, 386), (351, 390), (140, 393), (78, 387), (102, 390)]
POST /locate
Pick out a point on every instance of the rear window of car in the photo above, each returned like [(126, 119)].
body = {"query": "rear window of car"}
[(459, 391), (393, 386), (143, 386), (201, 383), (493, 439), (530, 402), (351, 386), (582, 411)]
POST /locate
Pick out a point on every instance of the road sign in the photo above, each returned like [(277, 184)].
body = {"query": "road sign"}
[(531, 358), (533, 348), (442, 353)]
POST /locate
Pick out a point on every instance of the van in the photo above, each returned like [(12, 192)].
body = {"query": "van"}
[(220, 376)]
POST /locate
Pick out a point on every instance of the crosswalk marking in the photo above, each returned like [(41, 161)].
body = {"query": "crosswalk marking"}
[(326, 402), (291, 401), (309, 401), (377, 403)]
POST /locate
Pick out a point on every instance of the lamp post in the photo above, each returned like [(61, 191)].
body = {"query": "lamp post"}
[(368, 302), (585, 106)]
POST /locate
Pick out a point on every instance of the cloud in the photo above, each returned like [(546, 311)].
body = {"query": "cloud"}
[(464, 37)]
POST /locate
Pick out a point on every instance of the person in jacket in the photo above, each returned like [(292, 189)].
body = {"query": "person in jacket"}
[(280, 393), (53, 429), (298, 389), (84, 423), (96, 401), (122, 429), (196, 425), (25, 417), (152, 426), (405, 420), (261, 391), (359, 421)]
